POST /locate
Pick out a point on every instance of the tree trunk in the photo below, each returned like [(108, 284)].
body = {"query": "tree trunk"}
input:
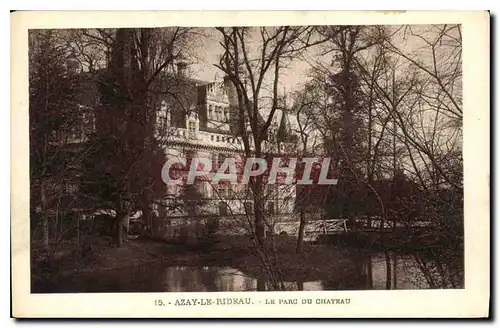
[(261, 285), (118, 232), (388, 276), (394, 270), (119, 229), (148, 220), (45, 231), (370, 272), (45, 217), (302, 225), (260, 229), (382, 231)]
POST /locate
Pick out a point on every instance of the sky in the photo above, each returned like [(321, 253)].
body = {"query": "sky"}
[(208, 53), (410, 39)]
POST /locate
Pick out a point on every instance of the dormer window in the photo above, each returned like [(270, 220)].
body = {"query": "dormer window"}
[(210, 112)]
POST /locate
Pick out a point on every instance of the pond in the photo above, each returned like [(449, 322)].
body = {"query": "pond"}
[(375, 271)]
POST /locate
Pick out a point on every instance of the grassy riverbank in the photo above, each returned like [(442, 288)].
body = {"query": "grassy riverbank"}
[(314, 263)]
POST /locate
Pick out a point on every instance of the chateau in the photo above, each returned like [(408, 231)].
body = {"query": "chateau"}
[(199, 119), (204, 125)]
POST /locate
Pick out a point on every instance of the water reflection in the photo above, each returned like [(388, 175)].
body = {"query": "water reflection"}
[(399, 271), (396, 272), (375, 271)]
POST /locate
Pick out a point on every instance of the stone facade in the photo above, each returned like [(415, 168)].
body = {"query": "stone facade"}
[(206, 130)]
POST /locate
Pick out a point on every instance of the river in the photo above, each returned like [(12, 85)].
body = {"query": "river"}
[(373, 272)]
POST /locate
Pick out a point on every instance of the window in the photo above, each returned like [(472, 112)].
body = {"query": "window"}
[(189, 157), (161, 120), (202, 187), (223, 208), (288, 204), (210, 112), (214, 162), (192, 129), (220, 160), (221, 191), (270, 208), (248, 208)]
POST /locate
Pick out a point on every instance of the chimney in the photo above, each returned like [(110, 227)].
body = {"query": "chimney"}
[(181, 68)]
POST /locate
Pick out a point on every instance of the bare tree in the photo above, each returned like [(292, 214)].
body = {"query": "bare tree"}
[(253, 59), (54, 124), (126, 118)]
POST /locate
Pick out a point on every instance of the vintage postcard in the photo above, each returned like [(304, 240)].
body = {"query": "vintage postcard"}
[(250, 164)]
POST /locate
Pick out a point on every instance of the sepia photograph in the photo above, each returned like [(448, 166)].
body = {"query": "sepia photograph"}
[(249, 158)]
